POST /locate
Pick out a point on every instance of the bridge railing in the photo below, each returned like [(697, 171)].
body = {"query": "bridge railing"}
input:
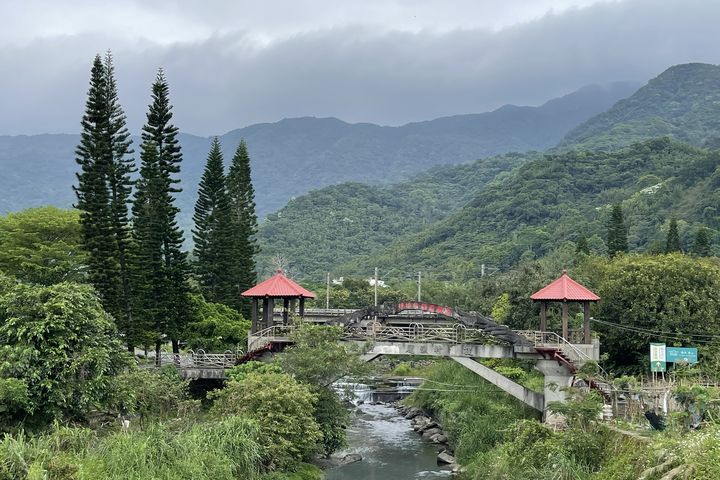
[(199, 359), (418, 333), (552, 339), (263, 338)]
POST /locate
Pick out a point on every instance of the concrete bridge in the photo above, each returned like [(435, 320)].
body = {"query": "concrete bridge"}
[(413, 328)]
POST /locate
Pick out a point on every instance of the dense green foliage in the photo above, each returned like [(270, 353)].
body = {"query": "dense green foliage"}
[(59, 342), (215, 328), (103, 193), (42, 245), (543, 203), (283, 409), (245, 246), (682, 102), (326, 228), (666, 298), (213, 235)]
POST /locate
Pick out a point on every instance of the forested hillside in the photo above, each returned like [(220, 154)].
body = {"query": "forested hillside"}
[(341, 223), (561, 197), (293, 156), (683, 102)]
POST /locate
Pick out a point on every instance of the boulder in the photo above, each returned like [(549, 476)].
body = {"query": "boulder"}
[(412, 413), (429, 433), (350, 458), (429, 425), (439, 438), (444, 458)]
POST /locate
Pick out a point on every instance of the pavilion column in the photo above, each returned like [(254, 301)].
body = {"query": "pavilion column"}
[(565, 320), (543, 316), (293, 306), (271, 312), (586, 323), (266, 305), (286, 306), (302, 307), (254, 315)]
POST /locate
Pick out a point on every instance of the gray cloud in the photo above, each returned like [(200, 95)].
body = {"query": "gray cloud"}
[(390, 73)]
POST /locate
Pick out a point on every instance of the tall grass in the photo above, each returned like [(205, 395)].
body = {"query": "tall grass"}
[(224, 449)]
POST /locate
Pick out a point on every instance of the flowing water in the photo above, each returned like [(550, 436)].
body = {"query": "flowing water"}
[(389, 447)]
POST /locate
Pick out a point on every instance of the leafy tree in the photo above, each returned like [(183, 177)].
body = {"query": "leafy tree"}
[(616, 232), (662, 298), (60, 342), (42, 245), (672, 241), (216, 327), (282, 407), (582, 246), (103, 192), (701, 245), (242, 201), (162, 280), (213, 233), (318, 358)]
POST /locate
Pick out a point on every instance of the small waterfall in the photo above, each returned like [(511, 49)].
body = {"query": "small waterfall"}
[(377, 389)]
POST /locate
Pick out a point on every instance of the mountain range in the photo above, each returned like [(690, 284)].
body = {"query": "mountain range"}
[(294, 156), (499, 210)]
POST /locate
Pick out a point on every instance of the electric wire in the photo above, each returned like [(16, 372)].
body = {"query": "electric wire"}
[(698, 338)]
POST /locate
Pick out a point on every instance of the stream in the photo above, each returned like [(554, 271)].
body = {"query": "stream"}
[(389, 447)]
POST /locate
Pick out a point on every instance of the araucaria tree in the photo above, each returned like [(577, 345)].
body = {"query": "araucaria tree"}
[(617, 241), (162, 267), (214, 233), (103, 193), (701, 245), (242, 202), (672, 242)]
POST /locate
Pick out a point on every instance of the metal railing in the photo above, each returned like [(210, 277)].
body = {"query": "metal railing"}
[(552, 339), (417, 332), (199, 359), (262, 338)]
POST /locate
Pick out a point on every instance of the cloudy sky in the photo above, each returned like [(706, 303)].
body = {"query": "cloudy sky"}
[(232, 63)]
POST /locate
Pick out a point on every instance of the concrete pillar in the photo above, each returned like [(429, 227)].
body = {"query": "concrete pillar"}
[(557, 377), (286, 306), (564, 320), (586, 323), (302, 306), (254, 315), (543, 316)]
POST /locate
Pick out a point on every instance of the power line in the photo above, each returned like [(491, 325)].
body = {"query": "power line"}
[(698, 338)]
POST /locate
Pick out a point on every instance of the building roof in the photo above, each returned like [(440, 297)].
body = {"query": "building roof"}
[(278, 286), (564, 289)]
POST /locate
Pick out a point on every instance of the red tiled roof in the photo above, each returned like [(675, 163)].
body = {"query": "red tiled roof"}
[(278, 286), (565, 289)]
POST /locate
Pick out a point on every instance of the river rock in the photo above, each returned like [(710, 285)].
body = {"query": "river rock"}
[(444, 458), (351, 458), (429, 425), (412, 413), (439, 438), (429, 433)]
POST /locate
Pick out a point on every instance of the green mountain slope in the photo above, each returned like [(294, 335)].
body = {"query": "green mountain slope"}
[(325, 228), (557, 198), (294, 156), (683, 102)]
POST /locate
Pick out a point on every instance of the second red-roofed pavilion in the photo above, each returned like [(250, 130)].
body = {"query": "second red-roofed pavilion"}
[(276, 287), (564, 289)]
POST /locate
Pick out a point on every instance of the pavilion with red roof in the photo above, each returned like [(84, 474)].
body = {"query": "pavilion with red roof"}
[(276, 287), (564, 290)]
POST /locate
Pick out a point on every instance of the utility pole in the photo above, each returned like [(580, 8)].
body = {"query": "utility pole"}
[(327, 292), (376, 282), (419, 285), (482, 270)]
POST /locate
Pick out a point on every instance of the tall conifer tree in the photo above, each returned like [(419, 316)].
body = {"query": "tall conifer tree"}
[(701, 245), (156, 230), (213, 233), (103, 191), (672, 242), (617, 241), (242, 200)]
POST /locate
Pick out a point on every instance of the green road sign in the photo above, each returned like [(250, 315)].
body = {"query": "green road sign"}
[(658, 366), (681, 354)]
